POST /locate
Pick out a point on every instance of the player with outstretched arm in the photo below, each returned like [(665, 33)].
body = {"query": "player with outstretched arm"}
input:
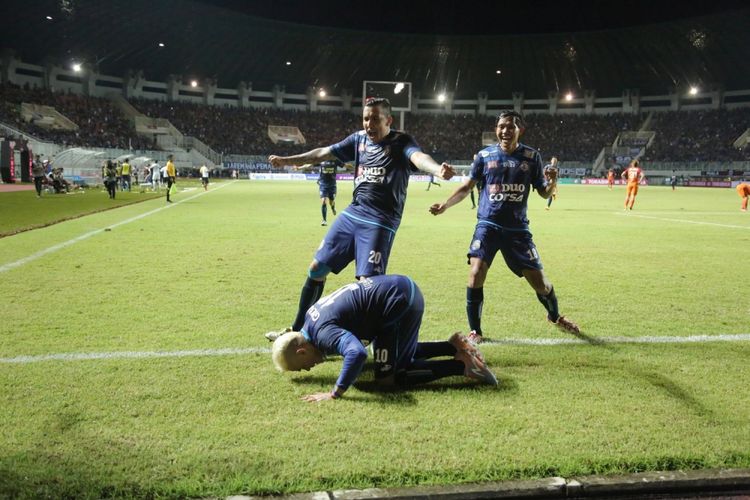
[(383, 159), (506, 172)]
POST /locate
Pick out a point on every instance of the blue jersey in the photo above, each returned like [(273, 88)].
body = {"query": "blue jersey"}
[(365, 310), (505, 181), (381, 173), (327, 176)]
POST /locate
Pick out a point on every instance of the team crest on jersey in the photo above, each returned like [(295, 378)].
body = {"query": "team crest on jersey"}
[(524, 166), (476, 245)]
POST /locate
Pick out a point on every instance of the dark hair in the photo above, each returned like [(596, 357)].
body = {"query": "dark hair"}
[(384, 104), (517, 118)]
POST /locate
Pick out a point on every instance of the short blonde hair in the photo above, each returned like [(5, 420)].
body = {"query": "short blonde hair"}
[(284, 351)]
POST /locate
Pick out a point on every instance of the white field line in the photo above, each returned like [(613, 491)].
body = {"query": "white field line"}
[(60, 246), (742, 337), (684, 221)]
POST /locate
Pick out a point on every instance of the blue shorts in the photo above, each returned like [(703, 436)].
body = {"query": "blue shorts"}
[(517, 247), (327, 192), (395, 347), (352, 238)]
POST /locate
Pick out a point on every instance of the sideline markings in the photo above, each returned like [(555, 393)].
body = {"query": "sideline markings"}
[(684, 221), (60, 246), (82, 356)]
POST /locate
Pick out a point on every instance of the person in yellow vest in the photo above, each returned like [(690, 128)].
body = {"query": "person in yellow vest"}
[(171, 175), (126, 174)]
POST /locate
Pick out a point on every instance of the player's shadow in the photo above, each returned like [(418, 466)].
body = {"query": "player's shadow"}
[(673, 390), (371, 391)]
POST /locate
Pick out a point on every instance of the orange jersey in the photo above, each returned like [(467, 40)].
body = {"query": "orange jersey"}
[(633, 175), (743, 189), (610, 176)]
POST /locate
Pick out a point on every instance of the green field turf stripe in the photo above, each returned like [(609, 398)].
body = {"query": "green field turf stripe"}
[(684, 221), (60, 246), (264, 350)]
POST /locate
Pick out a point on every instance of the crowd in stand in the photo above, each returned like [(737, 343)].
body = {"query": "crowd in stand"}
[(680, 136), (699, 135), (100, 123)]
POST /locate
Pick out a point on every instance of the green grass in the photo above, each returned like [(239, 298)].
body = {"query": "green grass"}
[(22, 210), (218, 270)]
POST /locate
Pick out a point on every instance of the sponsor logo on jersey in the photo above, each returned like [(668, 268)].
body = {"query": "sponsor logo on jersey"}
[(492, 164), (372, 174), (506, 192), (509, 164)]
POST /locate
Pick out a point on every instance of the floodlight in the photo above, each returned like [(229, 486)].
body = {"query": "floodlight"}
[(322, 93), (77, 67), (161, 44), (49, 18), (193, 83), (441, 97), (398, 88), (398, 93), (569, 96), (693, 90)]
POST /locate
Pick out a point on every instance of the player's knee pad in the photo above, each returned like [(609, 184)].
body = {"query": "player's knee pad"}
[(321, 272)]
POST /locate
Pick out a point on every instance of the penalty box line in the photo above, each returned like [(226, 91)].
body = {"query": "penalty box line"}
[(60, 246), (742, 337)]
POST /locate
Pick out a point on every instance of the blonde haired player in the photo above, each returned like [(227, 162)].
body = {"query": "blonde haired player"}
[(385, 311)]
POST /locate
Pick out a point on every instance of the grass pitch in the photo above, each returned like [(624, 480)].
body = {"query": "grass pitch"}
[(198, 283)]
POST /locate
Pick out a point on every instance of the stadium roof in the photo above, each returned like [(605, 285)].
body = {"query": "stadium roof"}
[(479, 47)]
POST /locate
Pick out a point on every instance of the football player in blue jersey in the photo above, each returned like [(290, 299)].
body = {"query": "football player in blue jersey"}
[(506, 172), (383, 159), (552, 165), (327, 171), (386, 312)]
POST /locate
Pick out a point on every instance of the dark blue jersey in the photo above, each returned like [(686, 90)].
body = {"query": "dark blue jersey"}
[(338, 322), (381, 172), (327, 175), (505, 181)]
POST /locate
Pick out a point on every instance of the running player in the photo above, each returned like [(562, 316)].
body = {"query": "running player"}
[(385, 311), (383, 159), (633, 175), (506, 171), (550, 166), (743, 189), (431, 181), (326, 185)]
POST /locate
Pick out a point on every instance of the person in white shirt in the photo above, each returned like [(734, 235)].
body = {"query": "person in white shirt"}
[(155, 176), (204, 177)]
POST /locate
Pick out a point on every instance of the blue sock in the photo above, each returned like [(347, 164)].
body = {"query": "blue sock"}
[(311, 292), (324, 210), (474, 302), (549, 302)]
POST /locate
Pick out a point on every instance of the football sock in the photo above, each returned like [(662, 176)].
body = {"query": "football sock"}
[(311, 292), (549, 201), (333, 207), (427, 350), (549, 302), (422, 371), (324, 210), (474, 302)]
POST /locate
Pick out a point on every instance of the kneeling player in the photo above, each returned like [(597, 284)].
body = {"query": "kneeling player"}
[(385, 311)]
